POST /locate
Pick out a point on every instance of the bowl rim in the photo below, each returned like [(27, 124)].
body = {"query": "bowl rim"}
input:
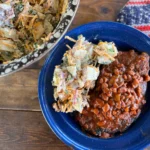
[(42, 75), (48, 50)]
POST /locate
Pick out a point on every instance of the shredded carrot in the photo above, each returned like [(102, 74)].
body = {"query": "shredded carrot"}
[(9, 45), (70, 39), (68, 46), (102, 53), (41, 2), (32, 21)]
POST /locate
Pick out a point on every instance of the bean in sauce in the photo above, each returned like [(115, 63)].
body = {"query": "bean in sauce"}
[(118, 97)]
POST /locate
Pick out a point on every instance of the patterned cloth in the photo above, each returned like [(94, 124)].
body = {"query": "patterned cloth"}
[(136, 13)]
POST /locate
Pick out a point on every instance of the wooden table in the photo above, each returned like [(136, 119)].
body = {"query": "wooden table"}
[(22, 125)]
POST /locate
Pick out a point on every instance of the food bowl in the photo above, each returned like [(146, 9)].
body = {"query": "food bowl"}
[(63, 125), (59, 31)]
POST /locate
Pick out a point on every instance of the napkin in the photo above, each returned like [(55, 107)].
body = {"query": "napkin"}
[(136, 13)]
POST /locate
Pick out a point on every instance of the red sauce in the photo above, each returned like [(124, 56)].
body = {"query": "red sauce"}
[(118, 97)]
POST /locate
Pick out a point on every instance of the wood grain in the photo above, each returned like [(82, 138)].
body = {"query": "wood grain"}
[(22, 126), (97, 10), (19, 91), (20, 130)]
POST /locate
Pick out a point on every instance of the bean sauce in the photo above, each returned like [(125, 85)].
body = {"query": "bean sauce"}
[(118, 97)]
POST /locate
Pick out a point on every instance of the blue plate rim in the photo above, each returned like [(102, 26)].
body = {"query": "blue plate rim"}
[(48, 60)]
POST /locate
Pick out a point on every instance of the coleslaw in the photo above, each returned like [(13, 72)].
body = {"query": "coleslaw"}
[(78, 72)]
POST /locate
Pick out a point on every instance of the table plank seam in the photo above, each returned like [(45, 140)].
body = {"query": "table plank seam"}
[(25, 110)]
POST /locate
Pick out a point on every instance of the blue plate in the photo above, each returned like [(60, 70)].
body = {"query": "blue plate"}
[(126, 38)]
